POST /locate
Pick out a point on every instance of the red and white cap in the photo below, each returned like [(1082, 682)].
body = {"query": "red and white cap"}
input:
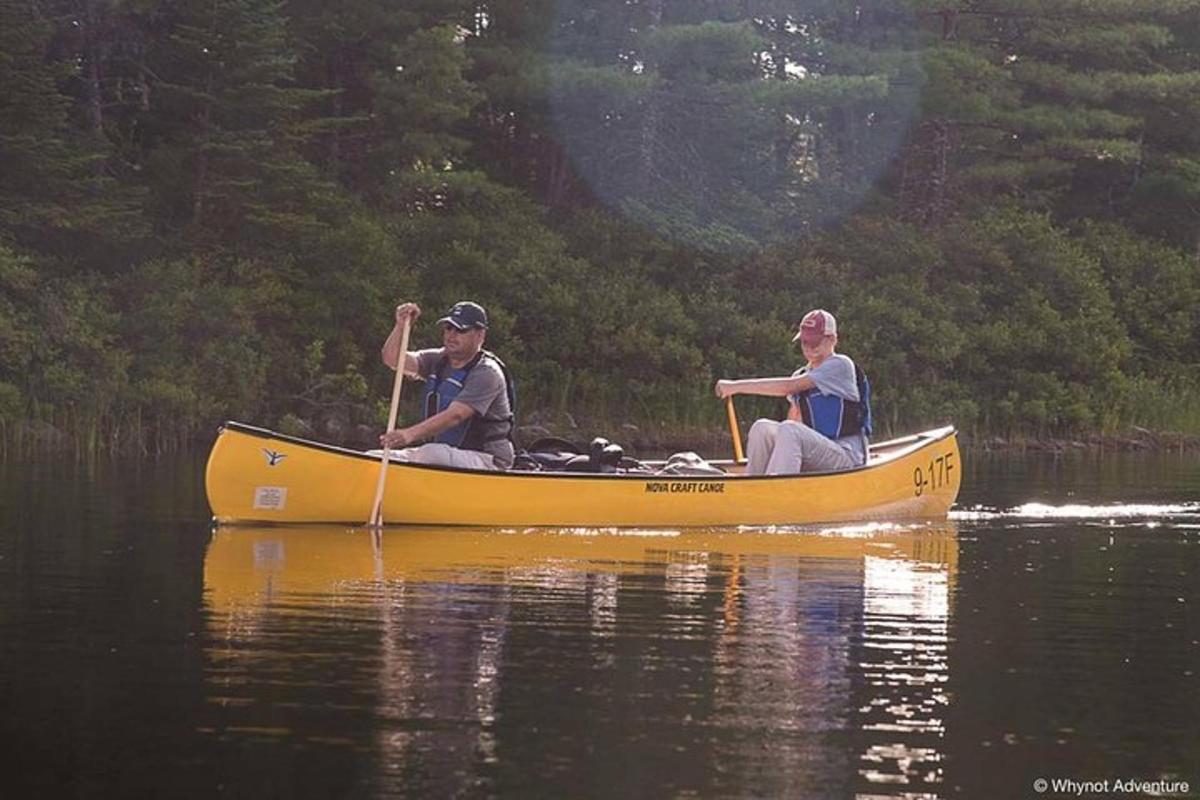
[(815, 326)]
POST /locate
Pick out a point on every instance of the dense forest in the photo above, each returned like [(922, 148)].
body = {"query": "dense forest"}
[(208, 208)]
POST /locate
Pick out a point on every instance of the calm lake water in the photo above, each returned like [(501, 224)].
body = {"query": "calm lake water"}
[(1050, 629)]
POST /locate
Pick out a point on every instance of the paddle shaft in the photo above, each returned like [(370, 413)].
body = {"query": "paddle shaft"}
[(376, 519), (738, 455)]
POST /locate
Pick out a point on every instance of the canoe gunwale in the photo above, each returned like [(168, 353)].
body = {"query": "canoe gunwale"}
[(896, 449)]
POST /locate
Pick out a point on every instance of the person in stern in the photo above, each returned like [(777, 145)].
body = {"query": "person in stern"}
[(468, 397), (829, 408)]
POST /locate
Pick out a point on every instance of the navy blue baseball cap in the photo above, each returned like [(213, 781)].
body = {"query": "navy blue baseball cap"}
[(465, 315)]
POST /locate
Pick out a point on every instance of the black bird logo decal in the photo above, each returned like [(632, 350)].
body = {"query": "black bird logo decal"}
[(274, 458)]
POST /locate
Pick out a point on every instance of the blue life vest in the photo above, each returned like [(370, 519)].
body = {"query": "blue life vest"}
[(835, 416), (442, 387)]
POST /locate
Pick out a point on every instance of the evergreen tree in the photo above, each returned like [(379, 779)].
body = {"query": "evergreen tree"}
[(344, 50), (420, 108), (53, 195), (228, 125), (1039, 99), (1160, 194), (703, 121)]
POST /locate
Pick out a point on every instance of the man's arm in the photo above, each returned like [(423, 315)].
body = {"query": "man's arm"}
[(390, 352), (429, 428), (765, 387)]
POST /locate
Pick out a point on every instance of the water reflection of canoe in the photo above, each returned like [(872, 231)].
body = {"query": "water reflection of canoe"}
[(435, 651), (256, 475), (250, 565)]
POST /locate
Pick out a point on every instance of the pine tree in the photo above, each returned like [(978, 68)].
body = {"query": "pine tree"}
[(1041, 99), (342, 50), (53, 194), (420, 108), (1160, 193), (228, 126), (713, 123), (397, 91)]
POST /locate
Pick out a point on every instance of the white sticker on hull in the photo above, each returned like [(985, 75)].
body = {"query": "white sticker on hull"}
[(270, 498)]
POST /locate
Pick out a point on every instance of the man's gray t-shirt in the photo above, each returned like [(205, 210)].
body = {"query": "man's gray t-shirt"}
[(484, 391), (835, 375)]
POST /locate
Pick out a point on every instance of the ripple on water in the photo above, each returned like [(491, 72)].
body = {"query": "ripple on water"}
[(1181, 512)]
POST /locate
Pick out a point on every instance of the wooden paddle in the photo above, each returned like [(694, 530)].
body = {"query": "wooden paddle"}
[(376, 519), (738, 456)]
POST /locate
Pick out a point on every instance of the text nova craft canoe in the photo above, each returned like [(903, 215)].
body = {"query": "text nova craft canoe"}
[(257, 476)]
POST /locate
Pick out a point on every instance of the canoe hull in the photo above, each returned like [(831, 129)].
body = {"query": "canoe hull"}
[(258, 476)]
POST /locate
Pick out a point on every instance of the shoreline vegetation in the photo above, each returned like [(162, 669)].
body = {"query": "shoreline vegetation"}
[(34, 440), (208, 211)]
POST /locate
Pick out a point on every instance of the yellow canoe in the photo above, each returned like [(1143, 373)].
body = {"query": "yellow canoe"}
[(258, 476)]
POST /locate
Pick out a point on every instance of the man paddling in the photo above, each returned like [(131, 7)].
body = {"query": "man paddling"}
[(467, 404), (829, 411)]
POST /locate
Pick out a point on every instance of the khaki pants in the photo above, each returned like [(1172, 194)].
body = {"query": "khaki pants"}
[(787, 448), (441, 455)]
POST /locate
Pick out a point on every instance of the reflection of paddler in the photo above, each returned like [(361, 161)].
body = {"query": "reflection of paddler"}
[(249, 566)]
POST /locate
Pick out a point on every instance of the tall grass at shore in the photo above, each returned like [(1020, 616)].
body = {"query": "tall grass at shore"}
[(1173, 406), (632, 415)]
